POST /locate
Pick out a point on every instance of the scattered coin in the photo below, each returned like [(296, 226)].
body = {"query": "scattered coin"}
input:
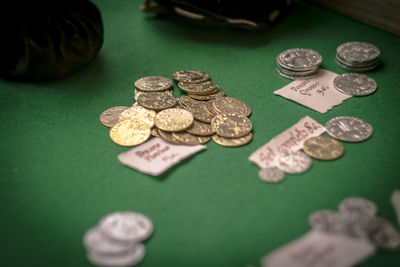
[(110, 116), (130, 132), (204, 88), (156, 100), (324, 148), (190, 76), (200, 129), (231, 125), (139, 112), (271, 175), (230, 105), (294, 162), (153, 83), (173, 120), (354, 84), (348, 129), (232, 142), (189, 139)]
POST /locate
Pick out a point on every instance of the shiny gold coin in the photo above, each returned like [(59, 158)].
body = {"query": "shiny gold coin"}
[(205, 88), (232, 142), (190, 76), (190, 139), (157, 100), (200, 129), (322, 147), (199, 112), (110, 116), (231, 125), (138, 92), (130, 132), (168, 137), (153, 83), (173, 120), (138, 112), (207, 97), (230, 105), (154, 132)]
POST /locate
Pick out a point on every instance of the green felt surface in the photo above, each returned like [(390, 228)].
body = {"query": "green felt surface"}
[(59, 172)]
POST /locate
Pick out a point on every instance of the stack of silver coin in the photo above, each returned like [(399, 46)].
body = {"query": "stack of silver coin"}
[(357, 218), (357, 56), (298, 63), (117, 239)]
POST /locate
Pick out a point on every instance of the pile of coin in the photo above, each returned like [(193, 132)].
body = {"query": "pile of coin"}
[(298, 63), (357, 56), (344, 128), (117, 239), (197, 116), (357, 218)]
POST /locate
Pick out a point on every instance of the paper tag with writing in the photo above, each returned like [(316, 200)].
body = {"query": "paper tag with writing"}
[(396, 204), (318, 249), (156, 156), (316, 93), (290, 140)]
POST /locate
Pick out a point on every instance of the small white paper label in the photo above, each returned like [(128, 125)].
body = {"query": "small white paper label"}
[(396, 204), (318, 249), (156, 156), (316, 93), (290, 140)]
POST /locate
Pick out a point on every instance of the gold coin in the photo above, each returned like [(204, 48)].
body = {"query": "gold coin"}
[(200, 129), (138, 92), (210, 108), (153, 83), (205, 88), (187, 101), (144, 114), (190, 76), (231, 125), (190, 139), (230, 105), (232, 142), (110, 116), (154, 132), (156, 100), (168, 137), (199, 112), (130, 132), (173, 120), (322, 147), (207, 97)]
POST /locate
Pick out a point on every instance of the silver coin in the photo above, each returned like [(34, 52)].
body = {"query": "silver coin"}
[(153, 83), (354, 84), (130, 258), (271, 175), (383, 234), (294, 162), (294, 76), (357, 52), (358, 205), (96, 241), (355, 69), (126, 226), (299, 59), (349, 129)]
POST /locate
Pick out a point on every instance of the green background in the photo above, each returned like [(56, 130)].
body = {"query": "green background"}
[(59, 169)]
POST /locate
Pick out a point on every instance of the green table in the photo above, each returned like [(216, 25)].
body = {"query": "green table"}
[(59, 172)]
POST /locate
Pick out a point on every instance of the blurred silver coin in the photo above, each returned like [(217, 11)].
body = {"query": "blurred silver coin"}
[(130, 258), (357, 52), (299, 59), (94, 240), (354, 84), (348, 129), (271, 175), (355, 68), (383, 234), (358, 205), (294, 162), (153, 83), (126, 226)]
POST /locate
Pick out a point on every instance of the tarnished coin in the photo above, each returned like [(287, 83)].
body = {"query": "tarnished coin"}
[(299, 59), (271, 175), (190, 76), (190, 139), (138, 92), (126, 226), (157, 100), (205, 88), (96, 241), (231, 125), (153, 83), (188, 101), (110, 116), (383, 234), (357, 52), (354, 84), (139, 112), (208, 97), (129, 258), (294, 162), (232, 142), (209, 107), (200, 129), (230, 105), (168, 137), (322, 147), (199, 112), (173, 120), (130, 132), (349, 129), (358, 205)]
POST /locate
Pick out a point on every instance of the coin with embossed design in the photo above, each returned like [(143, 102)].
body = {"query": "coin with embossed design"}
[(322, 147), (205, 88), (299, 59), (153, 83), (231, 125), (200, 129), (156, 100), (139, 112), (357, 53), (173, 120), (130, 132), (138, 92), (110, 116), (294, 162), (230, 105), (190, 139), (349, 129), (190, 76), (354, 84), (218, 94), (232, 142), (199, 112)]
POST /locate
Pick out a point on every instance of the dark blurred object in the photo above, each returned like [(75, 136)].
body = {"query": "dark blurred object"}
[(44, 39), (249, 15), (384, 14)]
